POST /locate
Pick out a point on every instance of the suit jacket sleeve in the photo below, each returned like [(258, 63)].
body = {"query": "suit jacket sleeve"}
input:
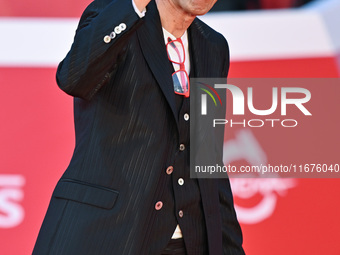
[(231, 232), (91, 62)]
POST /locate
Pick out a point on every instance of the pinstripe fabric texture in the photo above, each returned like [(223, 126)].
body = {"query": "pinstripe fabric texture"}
[(127, 134)]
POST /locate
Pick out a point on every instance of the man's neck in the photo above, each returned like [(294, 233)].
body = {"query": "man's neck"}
[(173, 18)]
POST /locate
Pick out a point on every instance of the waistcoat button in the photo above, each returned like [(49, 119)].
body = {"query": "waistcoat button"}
[(182, 147), (159, 205), (169, 170)]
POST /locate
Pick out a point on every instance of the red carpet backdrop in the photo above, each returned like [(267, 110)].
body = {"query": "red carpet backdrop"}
[(278, 215)]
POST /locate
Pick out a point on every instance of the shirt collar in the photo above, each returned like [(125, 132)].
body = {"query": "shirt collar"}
[(184, 37)]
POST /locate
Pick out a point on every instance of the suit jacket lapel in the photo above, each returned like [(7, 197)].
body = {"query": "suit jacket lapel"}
[(198, 50), (201, 61), (151, 39)]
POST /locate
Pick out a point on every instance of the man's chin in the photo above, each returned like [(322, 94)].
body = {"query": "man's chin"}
[(198, 12)]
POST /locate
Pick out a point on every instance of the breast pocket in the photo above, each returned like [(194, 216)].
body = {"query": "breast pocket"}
[(86, 193)]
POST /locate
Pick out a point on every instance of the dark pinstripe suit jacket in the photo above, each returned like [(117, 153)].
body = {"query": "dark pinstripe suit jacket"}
[(126, 136)]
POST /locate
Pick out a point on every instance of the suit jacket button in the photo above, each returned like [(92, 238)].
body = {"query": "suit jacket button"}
[(169, 170), (159, 205), (107, 39), (122, 26), (118, 30), (180, 214), (112, 35)]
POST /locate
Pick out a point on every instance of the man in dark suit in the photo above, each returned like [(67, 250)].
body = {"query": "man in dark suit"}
[(127, 189)]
